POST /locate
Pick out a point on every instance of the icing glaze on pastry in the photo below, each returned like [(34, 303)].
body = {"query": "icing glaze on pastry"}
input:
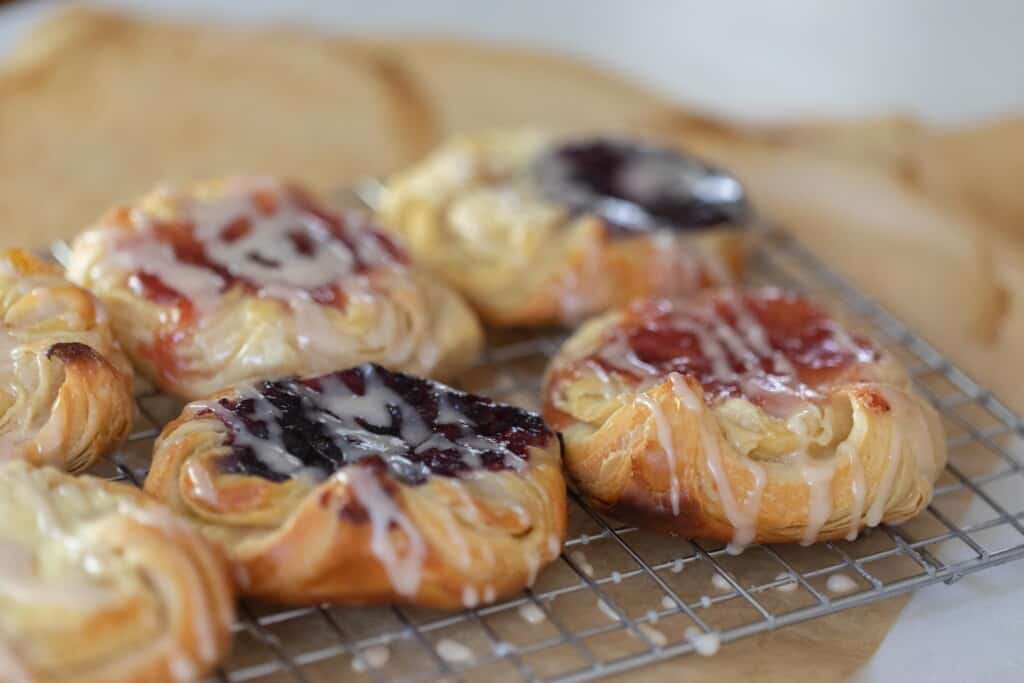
[(100, 584), (637, 186), (742, 415), (443, 498), (536, 230), (251, 277), (286, 428)]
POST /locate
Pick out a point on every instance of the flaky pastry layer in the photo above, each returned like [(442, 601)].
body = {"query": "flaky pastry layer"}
[(66, 389), (101, 584)]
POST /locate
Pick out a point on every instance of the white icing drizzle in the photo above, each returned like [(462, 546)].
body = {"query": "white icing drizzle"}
[(742, 516), (470, 598), (677, 565), (453, 652), (789, 586), (657, 638), (704, 644), (284, 252), (705, 601), (554, 543), (580, 559), (720, 583), (744, 340), (404, 569), (858, 486), (341, 411), (532, 566), (664, 432), (375, 657), (531, 613), (840, 584), (734, 549), (755, 335), (668, 603), (183, 669), (818, 475), (846, 343)]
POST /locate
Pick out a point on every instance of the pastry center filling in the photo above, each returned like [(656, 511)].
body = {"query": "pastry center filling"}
[(312, 428), (639, 187), (271, 240), (766, 346)]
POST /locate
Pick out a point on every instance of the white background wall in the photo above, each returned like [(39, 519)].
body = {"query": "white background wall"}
[(948, 60)]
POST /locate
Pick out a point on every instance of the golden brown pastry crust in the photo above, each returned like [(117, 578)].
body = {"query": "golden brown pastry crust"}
[(101, 584), (66, 394), (249, 277), (814, 445), (358, 533), (474, 213)]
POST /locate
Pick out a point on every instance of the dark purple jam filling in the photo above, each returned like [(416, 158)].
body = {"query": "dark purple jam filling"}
[(415, 426), (638, 187)]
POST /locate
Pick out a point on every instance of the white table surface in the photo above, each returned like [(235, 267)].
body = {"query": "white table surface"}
[(947, 61)]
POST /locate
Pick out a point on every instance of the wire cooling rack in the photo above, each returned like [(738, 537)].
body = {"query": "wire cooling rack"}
[(619, 597)]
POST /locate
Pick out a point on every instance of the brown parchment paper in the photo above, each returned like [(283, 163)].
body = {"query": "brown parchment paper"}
[(97, 108)]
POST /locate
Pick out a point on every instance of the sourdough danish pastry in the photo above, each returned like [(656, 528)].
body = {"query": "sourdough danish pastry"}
[(100, 584), (741, 415), (366, 486), (248, 277), (65, 386), (536, 230)]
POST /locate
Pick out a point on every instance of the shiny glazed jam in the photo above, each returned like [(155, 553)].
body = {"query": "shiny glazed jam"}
[(287, 428), (262, 237), (637, 187), (759, 344), (272, 240)]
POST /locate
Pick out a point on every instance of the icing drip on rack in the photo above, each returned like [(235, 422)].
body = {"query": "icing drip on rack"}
[(312, 428)]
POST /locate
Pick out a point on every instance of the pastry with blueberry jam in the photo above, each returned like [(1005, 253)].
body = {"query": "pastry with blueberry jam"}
[(538, 230), (251, 277), (742, 416), (367, 486)]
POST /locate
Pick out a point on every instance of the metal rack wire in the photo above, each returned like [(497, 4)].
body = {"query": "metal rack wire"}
[(619, 597)]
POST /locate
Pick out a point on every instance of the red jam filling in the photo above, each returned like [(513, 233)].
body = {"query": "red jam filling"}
[(759, 345), (297, 221)]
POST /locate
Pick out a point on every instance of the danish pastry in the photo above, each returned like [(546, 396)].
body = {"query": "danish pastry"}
[(367, 486), (100, 584), (537, 230), (741, 415), (249, 277), (65, 386)]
